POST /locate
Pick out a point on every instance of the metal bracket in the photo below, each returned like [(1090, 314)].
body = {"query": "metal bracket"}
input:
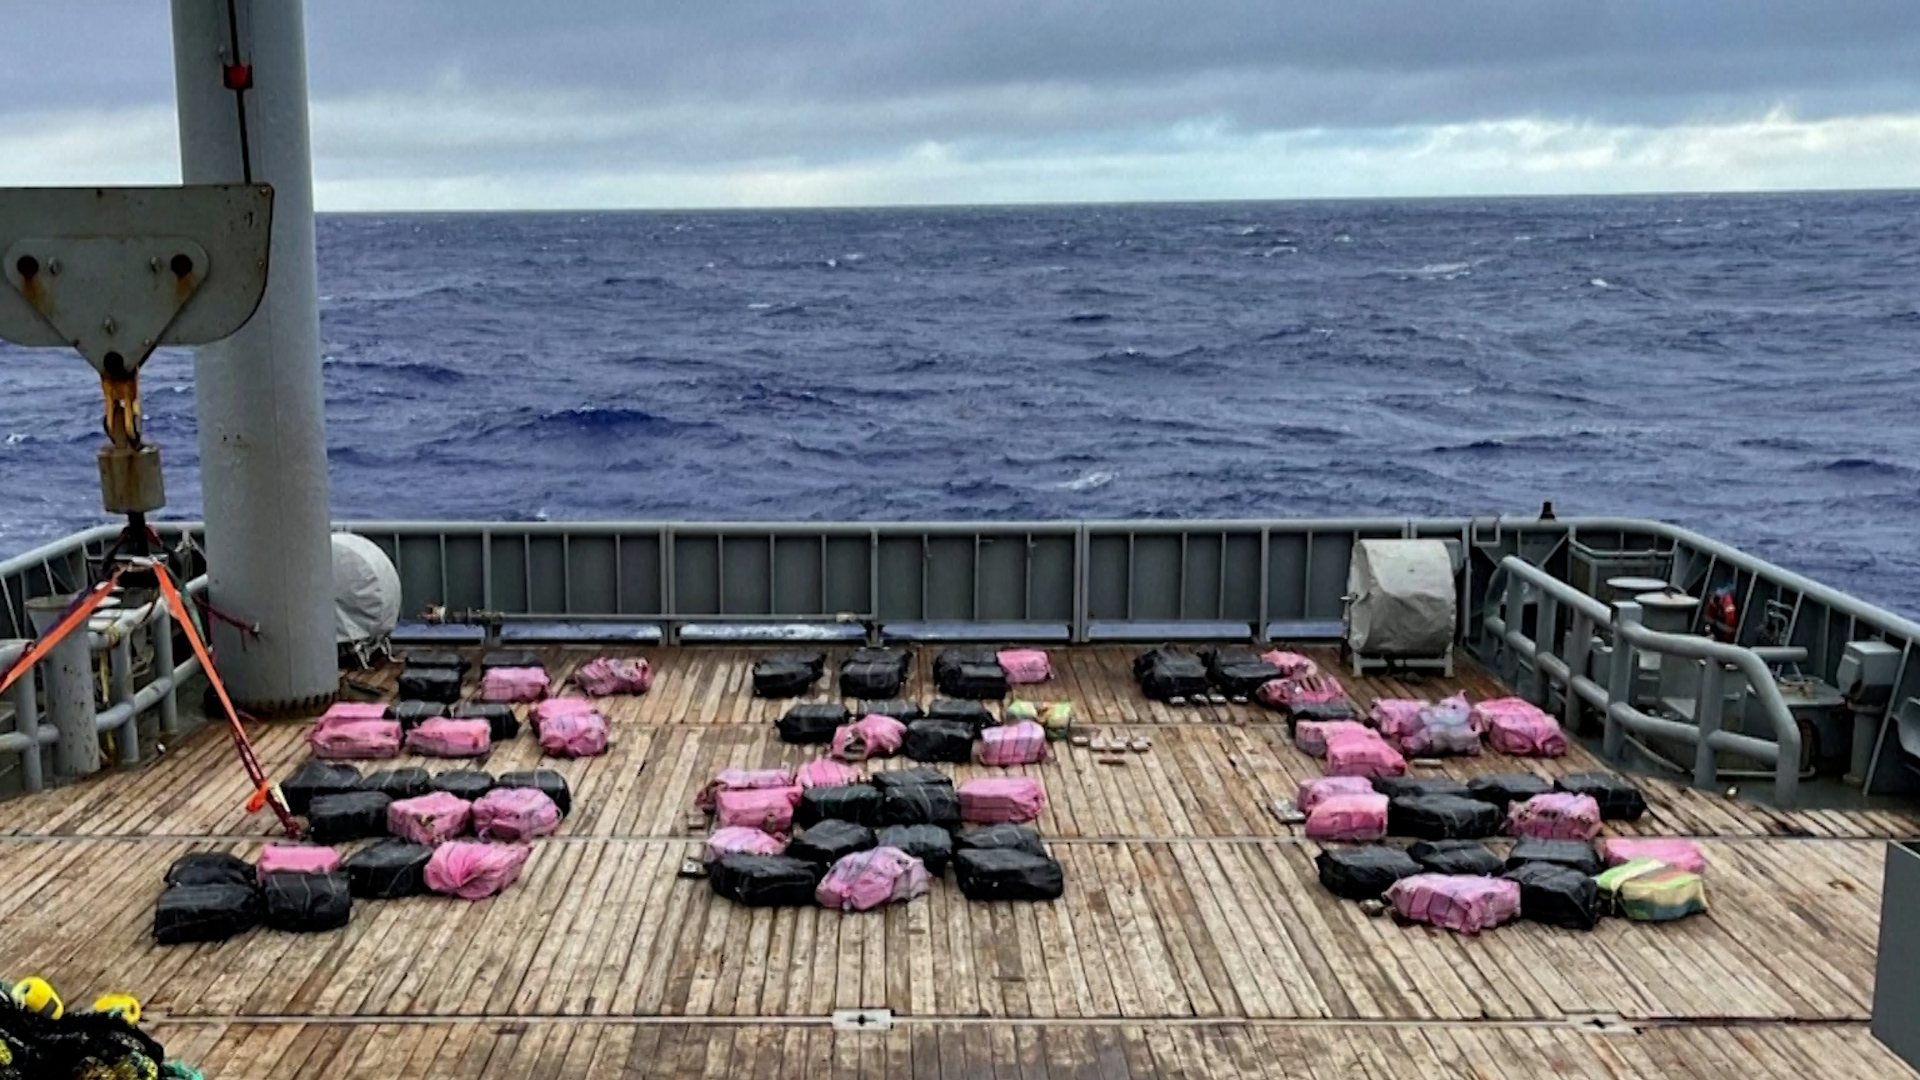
[(863, 1019)]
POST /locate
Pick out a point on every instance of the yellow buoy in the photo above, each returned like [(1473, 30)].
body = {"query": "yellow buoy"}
[(34, 995), (125, 1006)]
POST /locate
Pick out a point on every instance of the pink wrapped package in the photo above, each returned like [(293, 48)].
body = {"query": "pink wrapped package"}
[(608, 675), (768, 809), (1463, 903), (1302, 690), (1679, 854), (740, 780), (355, 740), (1444, 727), (1396, 717), (1312, 736), (1291, 664), (580, 733), (1364, 754), (1557, 815), (450, 738), (825, 772), (514, 814), (474, 871), (1024, 743), (1025, 666), (995, 800), (353, 710), (429, 819), (869, 736), (559, 706), (513, 684), (291, 859), (867, 879), (1313, 792), (740, 840), (1353, 818), (1517, 726)]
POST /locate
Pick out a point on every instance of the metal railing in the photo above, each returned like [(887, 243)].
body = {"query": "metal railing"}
[(1568, 671)]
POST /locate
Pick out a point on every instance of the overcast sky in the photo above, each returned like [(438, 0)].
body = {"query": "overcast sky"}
[(639, 103)]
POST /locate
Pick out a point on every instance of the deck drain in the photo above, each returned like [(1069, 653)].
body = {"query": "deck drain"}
[(1604, 1023), (862, 1019)]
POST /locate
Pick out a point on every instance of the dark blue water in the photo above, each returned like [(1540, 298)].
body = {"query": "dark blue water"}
[(1748, 366)]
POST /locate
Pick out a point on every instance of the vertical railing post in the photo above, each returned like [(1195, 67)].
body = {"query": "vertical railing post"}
[(1620, 679), (161, 631), (1579, 642), (126, 738), (1546, 643), (1706, 711), (1514, 613), (26, 721)]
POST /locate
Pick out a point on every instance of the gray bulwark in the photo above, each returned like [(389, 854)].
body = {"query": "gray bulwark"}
[(1896, 983)]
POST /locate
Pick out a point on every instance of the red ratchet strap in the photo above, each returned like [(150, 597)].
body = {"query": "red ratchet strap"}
[(76, 615)]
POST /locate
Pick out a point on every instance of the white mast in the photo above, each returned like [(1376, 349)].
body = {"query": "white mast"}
[(240, 72)]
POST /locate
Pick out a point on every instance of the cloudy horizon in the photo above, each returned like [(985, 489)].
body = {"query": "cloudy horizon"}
[(877, 102)]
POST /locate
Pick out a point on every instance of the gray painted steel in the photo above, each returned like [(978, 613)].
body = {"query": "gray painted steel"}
[(67, 679), (263, 453), (1896, 983)]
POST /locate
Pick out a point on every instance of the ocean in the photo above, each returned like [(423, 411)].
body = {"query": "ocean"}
[(1748, 366)]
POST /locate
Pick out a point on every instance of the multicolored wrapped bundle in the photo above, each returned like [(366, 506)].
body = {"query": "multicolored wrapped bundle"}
[(867, 879), (1463, 904), (605, 676), (1023, 743), (1679, 854), (1648, 891), (1556, 815), (430, 819)]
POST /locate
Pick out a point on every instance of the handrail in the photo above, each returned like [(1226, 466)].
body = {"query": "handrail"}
[(1705, 734)]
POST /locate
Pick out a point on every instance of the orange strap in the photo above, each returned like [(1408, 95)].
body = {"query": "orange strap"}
[(76, 616)]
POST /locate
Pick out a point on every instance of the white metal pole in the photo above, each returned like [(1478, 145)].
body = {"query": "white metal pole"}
[(240, 73)]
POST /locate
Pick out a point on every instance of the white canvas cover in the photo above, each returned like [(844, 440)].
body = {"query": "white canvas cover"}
[(1401, 598), (366, 591)]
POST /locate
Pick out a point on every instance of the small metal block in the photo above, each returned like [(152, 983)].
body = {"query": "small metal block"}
[(130, 480), (862, 1019)]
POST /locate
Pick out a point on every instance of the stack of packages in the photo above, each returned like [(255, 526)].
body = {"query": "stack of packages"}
[(1449, 878), (1239, 673), (1171, 675), (788, 675), (1301, 691)]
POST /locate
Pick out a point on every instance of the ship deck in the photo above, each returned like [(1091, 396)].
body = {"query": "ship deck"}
[(1193, 940)]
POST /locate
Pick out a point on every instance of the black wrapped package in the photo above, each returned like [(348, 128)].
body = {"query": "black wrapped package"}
[(826, 842), (1502, 789), (782, 679), (904, 711), (544, 780), (1327, 710), (1443, 817), (869, 679), (398, 784), (503, 725), (353, 815), (923, 804), (186, 913), (210, 868), (388, 870), (938, 740), (306, 903), (976, 682), (1007, 874), (514, 658), (950, 661), (811, 659), (1144, 662), (916, 777), (764, 880), (1174, 675), (1394, 787), (1572, 854), (1456, 857), (1618, 799), (858, 803), (971, 713), (419, 660), (806, 724), (931, 844), (986, 837), (430, 684), (468, 784), (1363, 873), (1238, 671), (899, 658), (1557, 896), (317, 778), (412, 713)]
